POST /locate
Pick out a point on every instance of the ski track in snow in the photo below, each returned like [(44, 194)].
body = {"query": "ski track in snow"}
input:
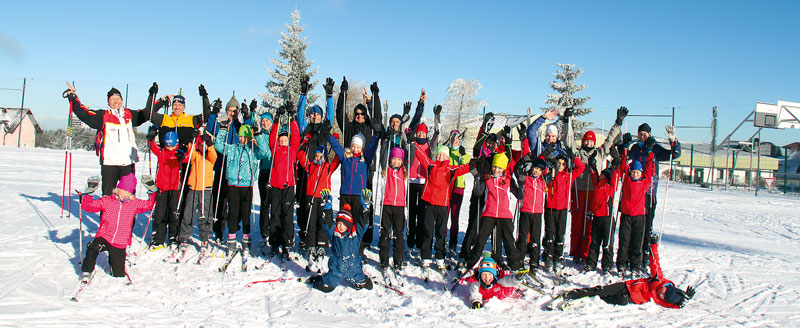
[(739, 250)]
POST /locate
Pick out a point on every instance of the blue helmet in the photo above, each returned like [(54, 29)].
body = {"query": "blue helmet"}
[(171, 139)]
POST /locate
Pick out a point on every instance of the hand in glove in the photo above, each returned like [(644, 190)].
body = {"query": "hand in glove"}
[(567, 113), (153, 89), (328, 86), (626, 139), (92, 184), (366, 198), (522, 131), (670, 133), (245, 110), (622, 112), (653, 239), (304, 85), (344, 86), (291, 110), (223, 120), (207, 139), (253, 105), (488, 121), (650, 143), (507, 134), (149, 183), (216, 106), (476, 305), (180, 154), (152, 132), (570, 154), (437, 110), (462, 151), (327, 199), (374, 88), (202, 90), (257, 130)]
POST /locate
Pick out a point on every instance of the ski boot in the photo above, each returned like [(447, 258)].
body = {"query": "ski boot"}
[(246, 243), (231, 245), (441, 266), (86, 277)]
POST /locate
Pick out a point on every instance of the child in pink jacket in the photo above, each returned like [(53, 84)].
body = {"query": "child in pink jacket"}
[(116, 223)]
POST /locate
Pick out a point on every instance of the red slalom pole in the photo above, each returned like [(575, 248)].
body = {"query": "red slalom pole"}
[(64, 183), (69, 201)]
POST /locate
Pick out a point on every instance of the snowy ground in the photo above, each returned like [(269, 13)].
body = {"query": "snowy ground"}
[(741, 252)]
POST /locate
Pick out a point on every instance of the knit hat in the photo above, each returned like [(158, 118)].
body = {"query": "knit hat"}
[(422, 127), (246, 131), (673, 295), (171, 139), (283, 131), (636, 166), (345, 217), (540, 163), (551, 129), (179, 99), (360, 107), (321, 150), (114, 91), (233, 103), (358, 139), (443, 150), (315, 109), (500, 160), (128, 183), (487, 265), (396, 116), (644, 127), (491, 137), (268, 116), (397, 152), (589, 135)]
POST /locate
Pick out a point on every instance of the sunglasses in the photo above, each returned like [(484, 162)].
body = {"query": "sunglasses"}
[(359, 114)]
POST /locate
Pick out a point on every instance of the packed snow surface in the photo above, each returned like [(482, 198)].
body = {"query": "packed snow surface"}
[(740, 251)]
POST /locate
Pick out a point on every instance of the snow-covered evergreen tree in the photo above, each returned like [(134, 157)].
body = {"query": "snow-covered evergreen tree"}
[(290, 67), (460, 103), (566, 88)]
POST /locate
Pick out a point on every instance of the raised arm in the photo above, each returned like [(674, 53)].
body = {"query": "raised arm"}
[(301, 104), (92, 118), (336, 148), (340, 116), (372, 149)]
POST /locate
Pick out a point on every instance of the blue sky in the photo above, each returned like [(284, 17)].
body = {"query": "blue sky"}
[(648, 56)]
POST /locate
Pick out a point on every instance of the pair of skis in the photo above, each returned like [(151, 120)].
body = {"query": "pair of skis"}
[(238, 251)]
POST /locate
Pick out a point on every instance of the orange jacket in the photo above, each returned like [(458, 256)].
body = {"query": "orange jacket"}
[(196, 162)]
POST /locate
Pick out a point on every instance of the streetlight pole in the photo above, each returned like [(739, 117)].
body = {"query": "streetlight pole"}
[(22, 113)]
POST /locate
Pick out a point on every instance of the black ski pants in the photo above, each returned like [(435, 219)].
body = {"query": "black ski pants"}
[(616, 294), (631, 235), (164, 215), (219, 206), (434, 224), (476, 203), (416, 215), (318, 224), (505, 228), (116, 257), (264, 193), (393, 223), (529, 238), (555, 225), (282, 218), (601, 228), (239, 201), (110, 174), (650, 202)]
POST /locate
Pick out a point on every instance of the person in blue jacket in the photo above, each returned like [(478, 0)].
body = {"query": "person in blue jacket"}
[(549, 148), (344, 265), (660, 154)]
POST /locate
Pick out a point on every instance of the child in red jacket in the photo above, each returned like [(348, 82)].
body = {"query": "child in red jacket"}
[(168, 183), (436, 192), (555, 213), (318, 174), (284, 145), (530, 178), (632, 220), (639, 291), (116, 223), (491, 282), (601, 220), (496, 212), (392, 215)]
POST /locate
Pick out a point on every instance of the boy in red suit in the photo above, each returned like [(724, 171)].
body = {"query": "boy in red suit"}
[(601, 220), (632, 220), (318, 172), (555, 213)]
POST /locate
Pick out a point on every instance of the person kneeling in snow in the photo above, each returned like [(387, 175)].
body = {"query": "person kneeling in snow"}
[(489, 281), (639, 291), (116, 223), (344, 265)]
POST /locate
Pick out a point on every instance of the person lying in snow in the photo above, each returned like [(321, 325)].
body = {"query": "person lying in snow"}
[(662, 291), (489, 281), (116, 223), (344, 265)]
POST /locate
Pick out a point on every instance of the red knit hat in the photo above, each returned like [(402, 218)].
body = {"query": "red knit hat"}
[(589, 135), (345, 217), (422, 127)]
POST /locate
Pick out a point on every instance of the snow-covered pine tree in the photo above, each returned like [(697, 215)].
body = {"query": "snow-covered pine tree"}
[(460, 103), (290, 67), (566, 88)]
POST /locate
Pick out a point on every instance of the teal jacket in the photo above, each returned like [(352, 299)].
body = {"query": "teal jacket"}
[(242, 160)]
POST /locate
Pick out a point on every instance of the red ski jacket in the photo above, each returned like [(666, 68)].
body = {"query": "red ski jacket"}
[(497, 191), (533, 202), (644, 289), (168, 176), (603, 190), (395, 187), (418, 173), (116, 219), (633, 192), (284, 158), (441, 178), (558, 189), (319, 175)]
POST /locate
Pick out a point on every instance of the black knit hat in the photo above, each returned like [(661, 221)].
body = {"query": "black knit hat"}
[(540, 163), (644, 127), (112, 92), (179, 99)]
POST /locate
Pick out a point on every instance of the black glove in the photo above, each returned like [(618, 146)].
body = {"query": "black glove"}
[(152, 132), (567, 113), (202, 90), (325, 128), (653, 239), (374, 88), (689, 293), (648, 144), (406, 108), (344, 86), (547, 153), (280, 111), (181, 153), (328, 86), (462, 151), (193, 134), (290, 109), (592, 163), (304, 85), (207, 139), (476, 305), (377, 127), (626, 139), (253, 105), (569, 152), (245, 111), (622, 112), (437, 110), (488, 121), (153, 89), (522, 132), (216, 106), (507, 134)]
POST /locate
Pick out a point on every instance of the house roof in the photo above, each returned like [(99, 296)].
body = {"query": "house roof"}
[(13, 117)]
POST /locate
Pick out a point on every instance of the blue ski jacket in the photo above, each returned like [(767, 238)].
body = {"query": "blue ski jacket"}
[(355, 170), (344, 265)]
